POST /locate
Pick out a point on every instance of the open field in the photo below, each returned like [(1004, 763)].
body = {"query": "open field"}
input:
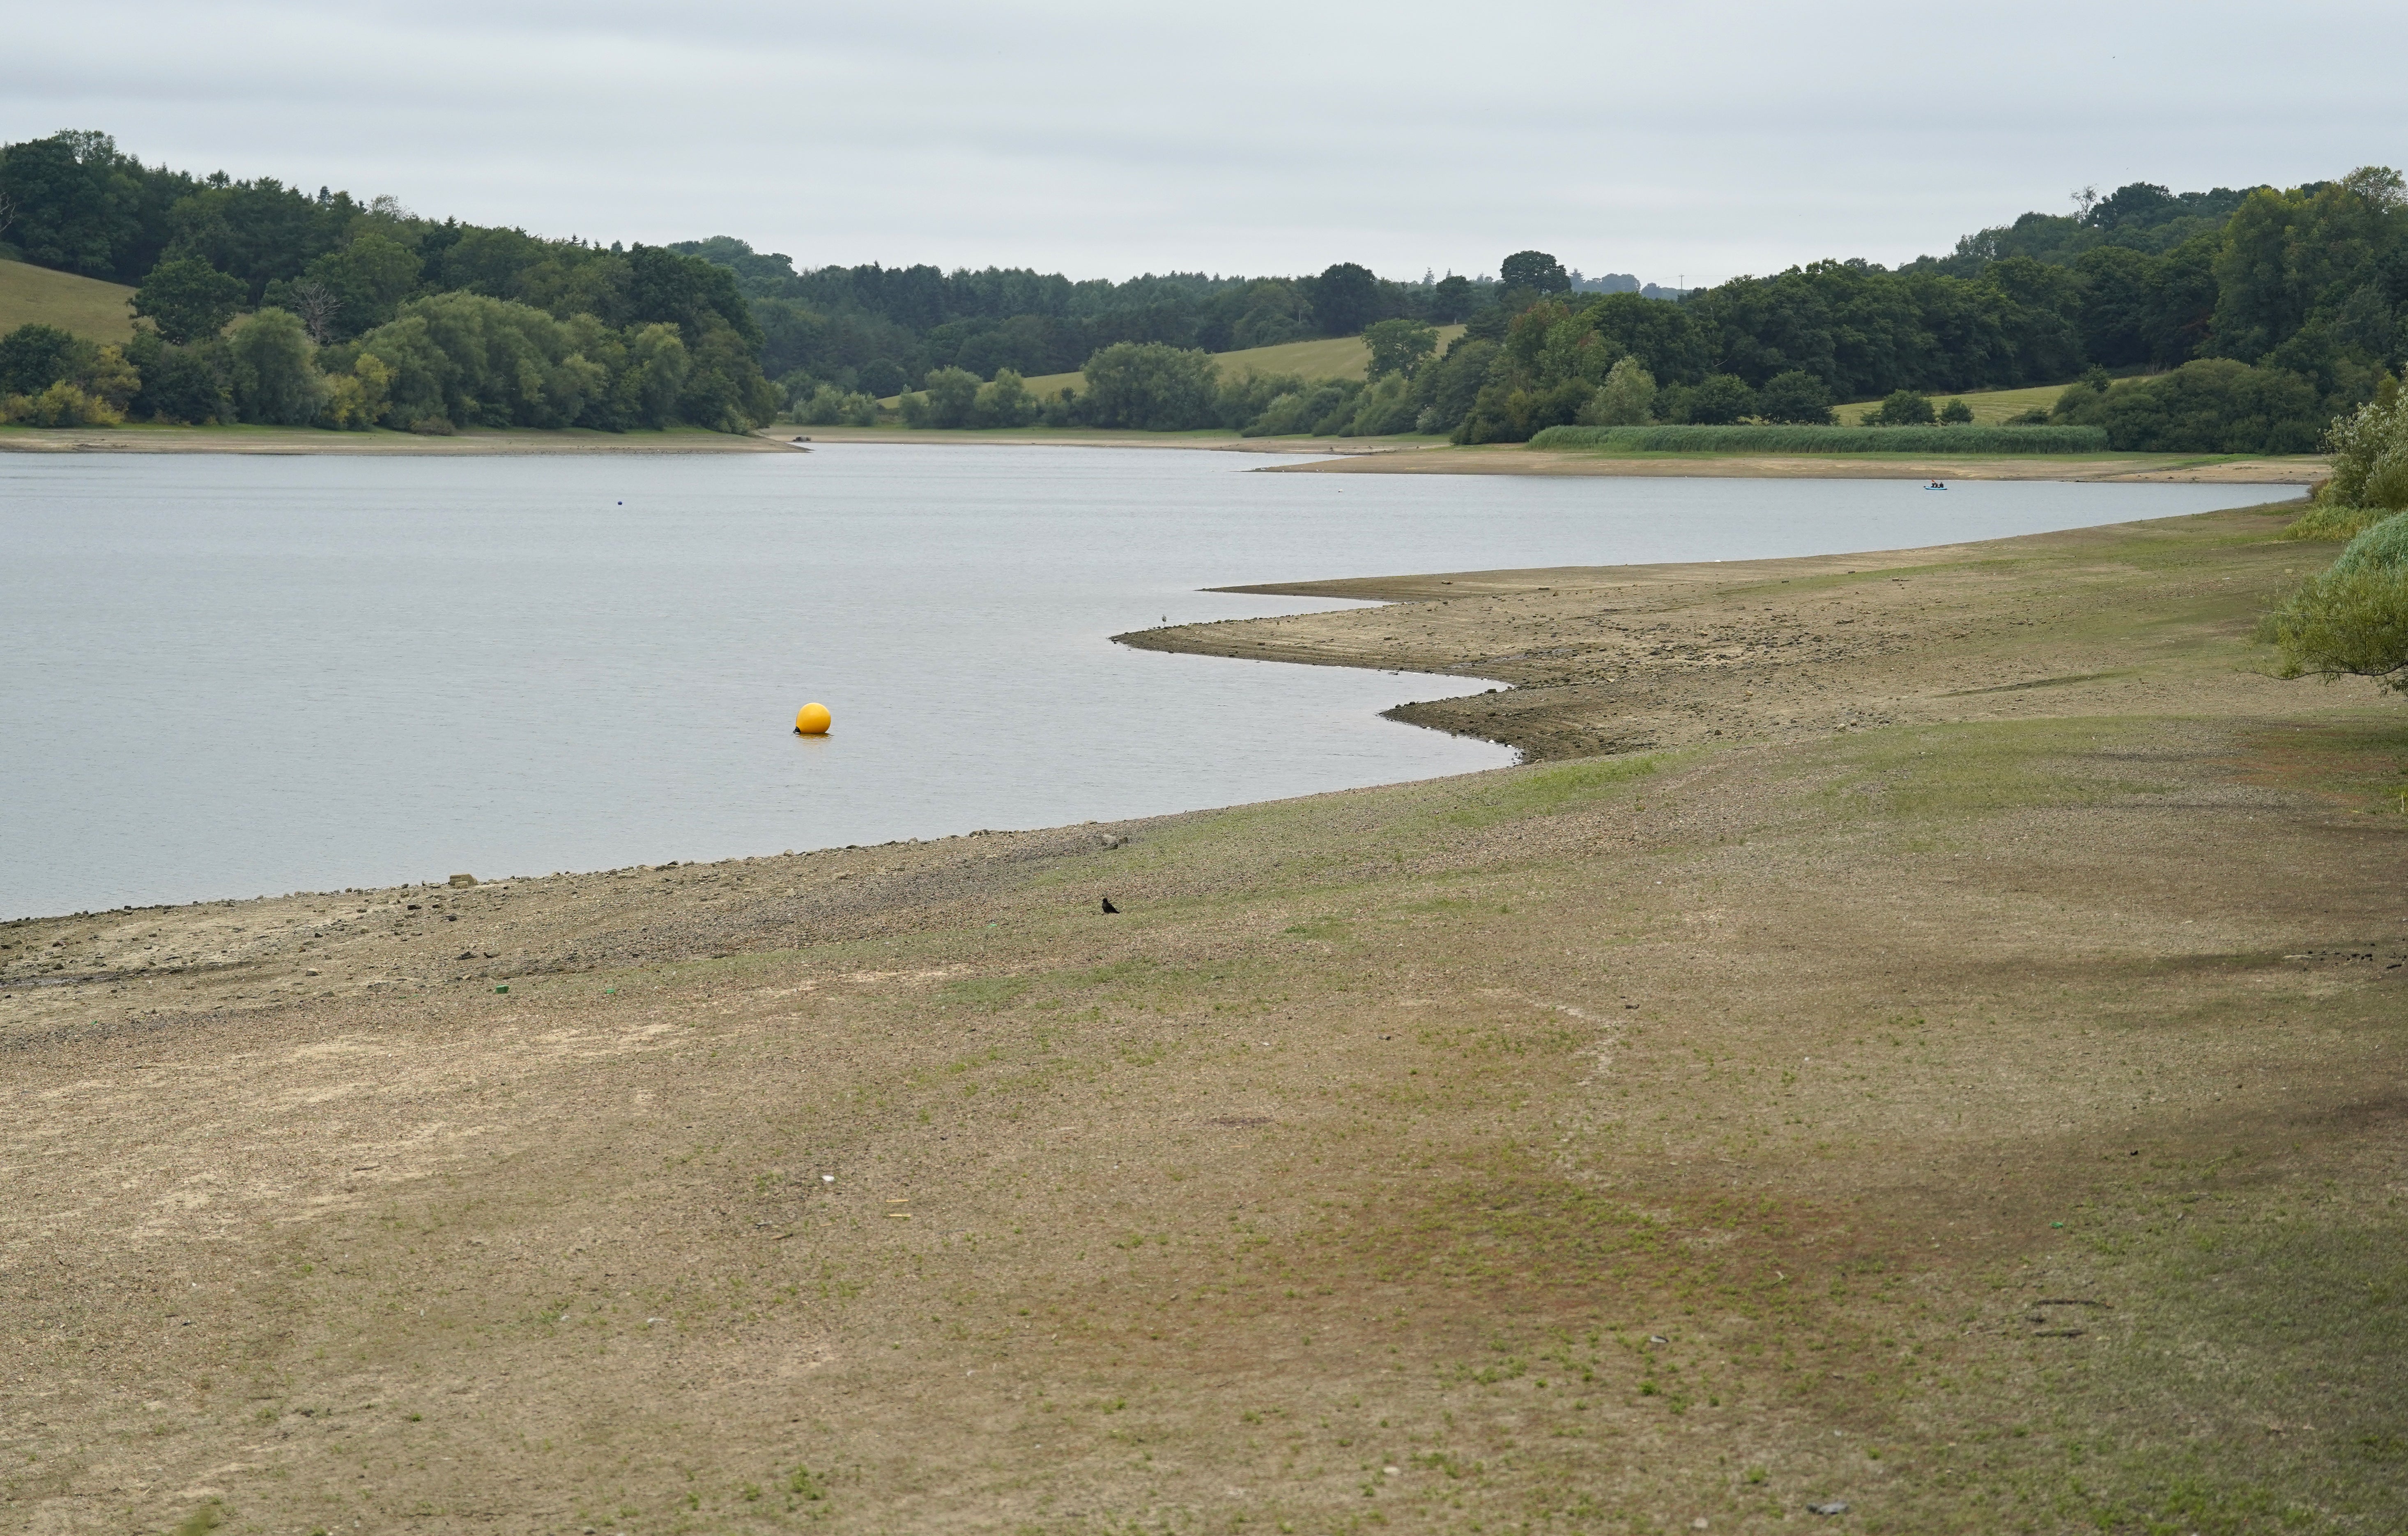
[(1927, 1035), (85, 305), (1323, 357), (1989, 406), (148, 438)]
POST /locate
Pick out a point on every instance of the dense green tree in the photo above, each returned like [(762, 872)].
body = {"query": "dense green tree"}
[(945, 399), (1274, 311), (188, 299), (268, 364), (1399, 346), (1447, 387), (2291, 257), (1451, 300), (1345, 298), (2207, 405), (259, 230), (33, 357), (1720, 399), (1533, 270), (1955, 414), (1004, 401), (1627, 398), (180, 385), (1902, 408), (1796, 396), (369, 277), (1383, 407), (70, 206), (1150, 385)]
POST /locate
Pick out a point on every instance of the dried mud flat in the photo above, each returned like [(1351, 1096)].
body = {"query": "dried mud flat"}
[(1925, 1037)]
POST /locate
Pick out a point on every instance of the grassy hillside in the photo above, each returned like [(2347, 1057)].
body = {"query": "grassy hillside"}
[(1990, 407), (86, 305), (1328, 357)]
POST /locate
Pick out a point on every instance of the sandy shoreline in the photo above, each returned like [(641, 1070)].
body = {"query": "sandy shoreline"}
[(1887, 1013), (1375, 456), (380, 443)]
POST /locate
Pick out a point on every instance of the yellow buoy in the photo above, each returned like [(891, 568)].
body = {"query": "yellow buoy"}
[(813, 719)]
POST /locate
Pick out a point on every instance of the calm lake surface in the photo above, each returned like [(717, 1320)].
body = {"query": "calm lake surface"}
[(229, 676)]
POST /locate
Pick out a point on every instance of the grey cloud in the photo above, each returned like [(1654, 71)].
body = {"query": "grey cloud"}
[(1697, 140)]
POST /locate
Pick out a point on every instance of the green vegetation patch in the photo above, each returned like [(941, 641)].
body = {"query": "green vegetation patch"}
[(1955, 770), (1545, 791), (1828, 440), (81, 306)]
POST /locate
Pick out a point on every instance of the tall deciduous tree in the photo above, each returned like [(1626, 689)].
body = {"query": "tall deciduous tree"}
[(1535, 270), (188, 299), (1345, 298), (1398, 346), (273, 381)]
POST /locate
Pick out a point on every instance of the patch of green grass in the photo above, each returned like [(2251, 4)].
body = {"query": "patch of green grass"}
[(1323, 357), (2337, 524), (1543, 791), (1976, 769), (1989, 406), (86, 305)]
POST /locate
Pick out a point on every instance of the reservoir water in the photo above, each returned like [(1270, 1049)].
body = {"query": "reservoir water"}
[(228, 676)]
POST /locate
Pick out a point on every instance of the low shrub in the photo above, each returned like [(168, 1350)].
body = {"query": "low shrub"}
[(61, 405), (2352, 619), (1828, 440)]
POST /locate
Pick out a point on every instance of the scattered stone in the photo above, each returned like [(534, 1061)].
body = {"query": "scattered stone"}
[(464, 879), (1837, 1506)]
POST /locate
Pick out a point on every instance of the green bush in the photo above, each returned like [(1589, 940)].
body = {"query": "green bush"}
[(2352, 620), (2381, 547), (1795, 397), (1827, 440), (1903, 407), (2370, 478), (828, 406), (1150, 386), (61, 405), (2212, 406)]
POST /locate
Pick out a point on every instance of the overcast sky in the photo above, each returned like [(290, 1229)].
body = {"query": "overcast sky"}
[(1671, 140)]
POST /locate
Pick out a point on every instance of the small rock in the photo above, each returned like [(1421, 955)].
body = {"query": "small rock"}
[(464, 879), (1657, 1339), (1837, 1506)]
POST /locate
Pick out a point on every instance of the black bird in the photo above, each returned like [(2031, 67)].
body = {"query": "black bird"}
[(1108, 907)]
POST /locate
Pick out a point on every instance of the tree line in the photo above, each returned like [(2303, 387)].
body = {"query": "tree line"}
[(2258, 315), (268, 304), (2240, 322)]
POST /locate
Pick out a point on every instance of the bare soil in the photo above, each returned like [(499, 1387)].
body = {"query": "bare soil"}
[(1925, 1035)]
